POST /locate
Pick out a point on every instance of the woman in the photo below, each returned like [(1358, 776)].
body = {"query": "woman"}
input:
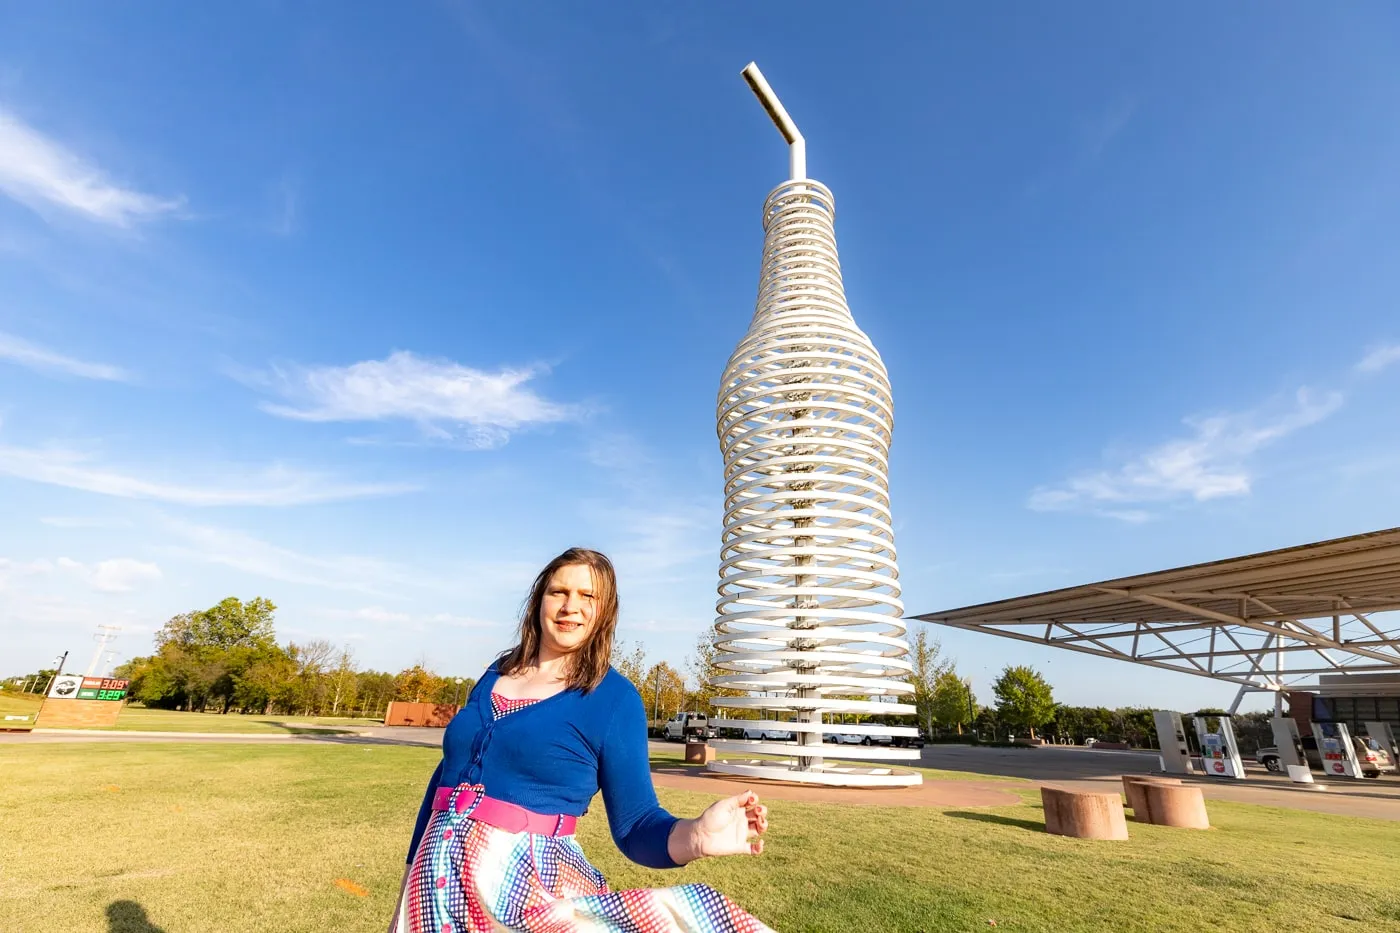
[(549, 725)]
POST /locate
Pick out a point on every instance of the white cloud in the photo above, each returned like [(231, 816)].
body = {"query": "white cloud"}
[(450, 402), (270, 486), (1212, 463), (35, 357), (376, 614), (81, 522), (39, 172), (461, 621), (120, 575), (13, 570), (1378, 358), (240, 551)]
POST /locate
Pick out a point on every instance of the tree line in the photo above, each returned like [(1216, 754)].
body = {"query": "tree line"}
[(227, 659)]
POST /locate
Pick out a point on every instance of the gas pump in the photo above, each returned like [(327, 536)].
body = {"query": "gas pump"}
[(1338, 754), (1171, 739), (1290, 749), (1220, 753), (1384, 733), (1289, 742)]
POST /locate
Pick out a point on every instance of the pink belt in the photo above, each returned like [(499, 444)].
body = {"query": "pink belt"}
[(502, 815)]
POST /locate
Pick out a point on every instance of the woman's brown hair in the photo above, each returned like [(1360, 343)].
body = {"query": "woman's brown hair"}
[(589, 664)]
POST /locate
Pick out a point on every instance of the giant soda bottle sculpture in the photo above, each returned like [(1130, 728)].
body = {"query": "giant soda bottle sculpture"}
[(808, 628)]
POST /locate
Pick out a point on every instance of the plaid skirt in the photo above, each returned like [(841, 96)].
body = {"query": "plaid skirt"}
[(471, 877)]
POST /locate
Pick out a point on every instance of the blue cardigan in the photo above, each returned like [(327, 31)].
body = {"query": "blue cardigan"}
[(554, 755)]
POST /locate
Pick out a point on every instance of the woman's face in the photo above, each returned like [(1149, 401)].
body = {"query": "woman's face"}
[(567, 612)]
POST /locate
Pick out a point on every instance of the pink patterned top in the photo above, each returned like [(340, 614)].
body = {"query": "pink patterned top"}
[(501, 706)]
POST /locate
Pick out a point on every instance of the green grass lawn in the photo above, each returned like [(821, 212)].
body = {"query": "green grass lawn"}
[(279, 839), (14, 703), (140, 719)]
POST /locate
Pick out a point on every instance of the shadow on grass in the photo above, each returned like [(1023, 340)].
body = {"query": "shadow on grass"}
[(299, 729), (1033, 825), (129, 917)]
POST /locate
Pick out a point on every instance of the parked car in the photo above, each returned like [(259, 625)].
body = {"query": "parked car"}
[(908, 741), (844, 738), (687, 725), (1372, 751), (1369, 754), (769, 735)]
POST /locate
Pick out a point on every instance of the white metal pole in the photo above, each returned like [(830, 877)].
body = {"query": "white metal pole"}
[(797, 146)]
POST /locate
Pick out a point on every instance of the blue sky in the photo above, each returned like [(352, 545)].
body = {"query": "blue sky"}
[(371, 310)]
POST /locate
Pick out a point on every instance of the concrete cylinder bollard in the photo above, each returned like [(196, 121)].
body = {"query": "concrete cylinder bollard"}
[(1183, 807), (1137, 802), (1083, 815)]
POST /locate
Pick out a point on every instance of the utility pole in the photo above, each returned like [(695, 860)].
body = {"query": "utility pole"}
[(104, 634), (656, 699)]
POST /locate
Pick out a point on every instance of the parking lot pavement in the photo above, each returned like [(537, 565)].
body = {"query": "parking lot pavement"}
[(1090, 769), (1101, 770), (1044, 764)]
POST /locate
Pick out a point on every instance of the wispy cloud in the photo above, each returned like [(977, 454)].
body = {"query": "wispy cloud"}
[(32, 356), (1378, 358), (38, 603), (1105, 127), (1212, 463), (84, 522), (286, 207), (11, 570), (120, 575), (40, 173), (449, 402), (227, 547), (268, 486), (386, 580), (378, 615)]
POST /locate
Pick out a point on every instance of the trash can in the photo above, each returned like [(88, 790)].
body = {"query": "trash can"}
[(1300, 774)]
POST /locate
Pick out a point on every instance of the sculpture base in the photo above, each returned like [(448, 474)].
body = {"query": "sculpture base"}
[(829, 775)]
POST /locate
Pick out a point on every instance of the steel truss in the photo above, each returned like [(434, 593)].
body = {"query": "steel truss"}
[(1272, 621)]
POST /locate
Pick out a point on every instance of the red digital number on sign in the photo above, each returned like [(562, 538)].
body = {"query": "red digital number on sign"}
[(114, 684)]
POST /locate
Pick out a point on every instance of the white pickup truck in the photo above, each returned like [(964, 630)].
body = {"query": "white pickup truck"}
[(685, 725)]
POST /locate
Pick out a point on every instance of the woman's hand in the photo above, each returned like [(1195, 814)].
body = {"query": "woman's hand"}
[(724, 828)]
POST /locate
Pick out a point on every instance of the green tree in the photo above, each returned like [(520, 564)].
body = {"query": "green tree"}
[(374, 690), (632, 665), (343, 681), (927, 667), (262, 683), (701, 665), (1024, 698), (987, 725), (952, 701), (232, 623), (414, 685), (663, 691)]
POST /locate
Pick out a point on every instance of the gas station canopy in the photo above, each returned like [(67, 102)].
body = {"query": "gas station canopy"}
[(1271, 621)]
